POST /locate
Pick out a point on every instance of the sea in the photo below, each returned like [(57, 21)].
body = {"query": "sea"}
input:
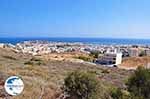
[(104, 41)]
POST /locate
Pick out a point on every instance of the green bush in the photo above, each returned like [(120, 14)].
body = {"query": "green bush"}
[(139, 83), (117, 93), (138, 86), (95, 54), (84, 58), (82, 85), (142, 53)]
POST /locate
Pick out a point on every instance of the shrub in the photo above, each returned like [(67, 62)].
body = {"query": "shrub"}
[(117, 93), (82, 85), (28, 63), (10, 57), (106, 71), (142, 53), (35, 59), (139, 83), (95, 54), (84, 58)]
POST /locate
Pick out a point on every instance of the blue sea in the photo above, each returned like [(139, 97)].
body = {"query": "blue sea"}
[(105, 41)]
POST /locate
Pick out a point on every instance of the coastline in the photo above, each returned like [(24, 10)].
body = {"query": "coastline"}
[(103, 41)]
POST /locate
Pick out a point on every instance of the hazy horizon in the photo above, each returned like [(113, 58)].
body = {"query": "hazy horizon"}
[(75, 18), (28, 37)]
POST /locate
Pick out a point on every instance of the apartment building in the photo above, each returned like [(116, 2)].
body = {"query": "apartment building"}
[(110, 59)]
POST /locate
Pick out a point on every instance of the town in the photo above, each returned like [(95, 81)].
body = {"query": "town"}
[(109, 55)]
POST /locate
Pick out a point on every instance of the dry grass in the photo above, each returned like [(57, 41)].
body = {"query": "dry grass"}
[(134, 62), (44, 80)]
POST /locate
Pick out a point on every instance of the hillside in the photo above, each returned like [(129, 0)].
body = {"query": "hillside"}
[(44, 78), (134, 62)]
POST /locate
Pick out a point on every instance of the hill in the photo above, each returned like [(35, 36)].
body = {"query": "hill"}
[(44, 78)]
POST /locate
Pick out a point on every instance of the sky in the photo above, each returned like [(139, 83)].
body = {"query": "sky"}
[(75, 18)]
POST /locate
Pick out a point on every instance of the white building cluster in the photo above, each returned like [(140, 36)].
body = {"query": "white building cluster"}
[(110, 55), (40, 47)]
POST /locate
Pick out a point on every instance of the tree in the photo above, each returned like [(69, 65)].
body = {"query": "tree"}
[(95, 54), (139, 83), (82, 85), (142, 53)]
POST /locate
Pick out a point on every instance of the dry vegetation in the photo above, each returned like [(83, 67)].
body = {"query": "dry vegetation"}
[(134, 62), (43, 77)]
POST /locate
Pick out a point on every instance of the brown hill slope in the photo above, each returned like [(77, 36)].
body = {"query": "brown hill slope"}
[(134, 62), (43, 78)]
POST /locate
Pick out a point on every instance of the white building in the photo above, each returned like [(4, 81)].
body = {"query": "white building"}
[(147, 52), (110, 59), (133, 52), (2, 45)]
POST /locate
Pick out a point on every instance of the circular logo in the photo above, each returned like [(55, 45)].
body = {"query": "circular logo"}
[(14, 85)]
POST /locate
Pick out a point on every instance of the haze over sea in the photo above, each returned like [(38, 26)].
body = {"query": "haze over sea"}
[(105, 41)]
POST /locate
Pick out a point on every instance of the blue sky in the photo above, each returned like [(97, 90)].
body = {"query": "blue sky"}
[(75, 18)]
